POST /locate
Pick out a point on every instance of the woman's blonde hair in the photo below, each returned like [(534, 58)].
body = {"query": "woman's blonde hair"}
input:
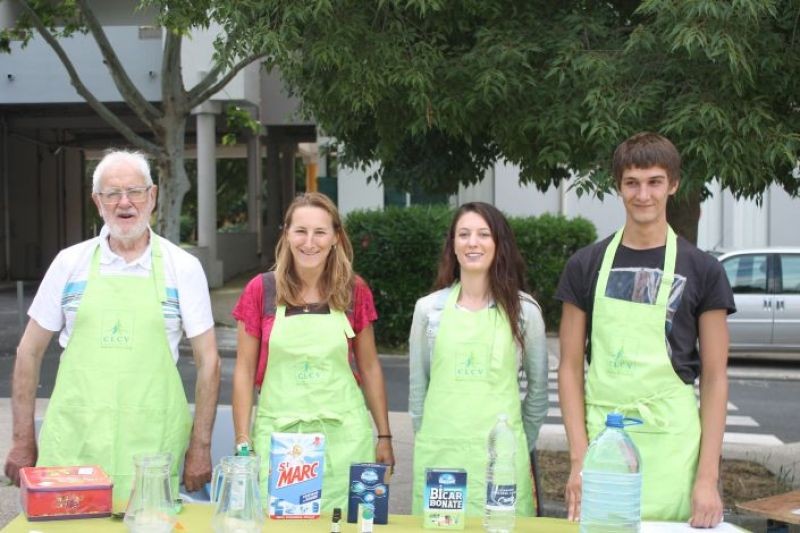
[(336, 282)]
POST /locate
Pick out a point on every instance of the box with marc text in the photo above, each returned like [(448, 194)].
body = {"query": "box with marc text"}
[(296, 463)]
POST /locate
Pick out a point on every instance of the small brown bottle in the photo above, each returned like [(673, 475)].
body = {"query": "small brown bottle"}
[(337, 516)]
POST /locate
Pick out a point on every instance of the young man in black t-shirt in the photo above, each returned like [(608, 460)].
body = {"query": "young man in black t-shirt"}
[(642, 346)]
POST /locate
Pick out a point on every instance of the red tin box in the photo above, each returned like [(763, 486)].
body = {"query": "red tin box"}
[(57, 492)]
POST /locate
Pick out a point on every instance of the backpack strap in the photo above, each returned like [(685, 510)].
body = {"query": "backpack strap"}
[(268, 280)]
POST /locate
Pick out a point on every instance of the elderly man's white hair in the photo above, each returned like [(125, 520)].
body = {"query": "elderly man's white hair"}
[(137, 159)]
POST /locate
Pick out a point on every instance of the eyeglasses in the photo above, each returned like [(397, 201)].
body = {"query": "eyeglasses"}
[(134, 194)]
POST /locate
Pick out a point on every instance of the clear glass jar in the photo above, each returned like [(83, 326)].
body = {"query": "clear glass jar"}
[(150, 508)]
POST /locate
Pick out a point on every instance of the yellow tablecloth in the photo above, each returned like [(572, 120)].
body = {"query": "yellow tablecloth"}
[(197, 517)]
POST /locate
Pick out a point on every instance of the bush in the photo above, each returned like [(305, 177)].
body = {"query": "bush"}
[(546, 242), (397, 251)]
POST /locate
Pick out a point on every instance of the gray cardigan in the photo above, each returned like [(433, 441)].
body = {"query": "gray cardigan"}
[(424, 327)]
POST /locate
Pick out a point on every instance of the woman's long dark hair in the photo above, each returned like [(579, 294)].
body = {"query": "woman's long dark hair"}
[(507, 271)]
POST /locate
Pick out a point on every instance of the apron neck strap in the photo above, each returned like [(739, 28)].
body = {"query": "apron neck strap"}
[(156, 266), (452, 297)]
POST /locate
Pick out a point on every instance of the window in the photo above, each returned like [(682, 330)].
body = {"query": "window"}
[(790, 273), (395, 197), (747, 273)]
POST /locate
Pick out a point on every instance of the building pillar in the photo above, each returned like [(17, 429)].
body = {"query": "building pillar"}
[(254, 222), (280, 191), (710, 227), (750, 223), (207, 191)]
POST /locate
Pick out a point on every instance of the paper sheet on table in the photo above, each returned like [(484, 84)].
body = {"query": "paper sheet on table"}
[(677, 527)]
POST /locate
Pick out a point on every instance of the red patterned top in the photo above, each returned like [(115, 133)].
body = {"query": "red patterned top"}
[(249, 310)]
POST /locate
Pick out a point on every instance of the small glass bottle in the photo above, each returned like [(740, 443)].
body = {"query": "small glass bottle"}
[(366, 514), (336, 527)]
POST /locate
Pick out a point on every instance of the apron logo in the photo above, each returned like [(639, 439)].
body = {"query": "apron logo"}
[(469, 367), (307, 373), (117, 330), (620, 364)]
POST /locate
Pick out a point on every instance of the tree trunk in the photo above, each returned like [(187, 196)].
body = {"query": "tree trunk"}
[(683, 213), (172, 181)]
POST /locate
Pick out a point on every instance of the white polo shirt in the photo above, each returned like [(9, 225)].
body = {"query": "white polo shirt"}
[(187, 309)]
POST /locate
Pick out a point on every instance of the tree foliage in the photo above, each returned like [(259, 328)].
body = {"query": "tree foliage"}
[(165, 121), (436, 90)]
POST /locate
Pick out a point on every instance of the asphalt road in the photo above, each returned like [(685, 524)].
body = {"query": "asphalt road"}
[(765, 391)]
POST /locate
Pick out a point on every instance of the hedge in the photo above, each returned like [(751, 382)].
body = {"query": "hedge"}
[(397, 250)]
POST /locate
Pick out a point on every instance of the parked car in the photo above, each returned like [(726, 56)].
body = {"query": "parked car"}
[(766, 287)]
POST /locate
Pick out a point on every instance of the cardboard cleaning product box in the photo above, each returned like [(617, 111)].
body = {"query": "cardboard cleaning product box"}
[(57, 492), (296, 463), (445, 498), (369, 484)]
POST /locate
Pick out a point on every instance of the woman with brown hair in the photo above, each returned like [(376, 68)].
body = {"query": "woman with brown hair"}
[(465, 345), (297, 326)]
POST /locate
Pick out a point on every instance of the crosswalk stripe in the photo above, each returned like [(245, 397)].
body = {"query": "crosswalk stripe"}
[(550, 430), (751, 438), (553, 385), (731, 420), (737, 420)]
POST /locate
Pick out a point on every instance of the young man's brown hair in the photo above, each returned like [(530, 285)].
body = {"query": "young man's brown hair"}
[(645, 150)]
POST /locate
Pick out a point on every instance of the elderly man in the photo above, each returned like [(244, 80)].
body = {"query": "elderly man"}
[(121, 302)]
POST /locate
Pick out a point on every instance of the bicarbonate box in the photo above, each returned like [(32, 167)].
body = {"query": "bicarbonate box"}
[(369, 484), (296, 462), (445, 498), (56, 492)]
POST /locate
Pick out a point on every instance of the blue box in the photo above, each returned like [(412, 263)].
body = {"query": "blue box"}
[(369, 483), (296, 464)]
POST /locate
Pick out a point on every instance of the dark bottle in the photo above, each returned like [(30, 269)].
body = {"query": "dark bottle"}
[(337, 516)]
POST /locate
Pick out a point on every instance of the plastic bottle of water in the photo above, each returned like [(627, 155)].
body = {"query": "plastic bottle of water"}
[(611, 482), (501, 483)]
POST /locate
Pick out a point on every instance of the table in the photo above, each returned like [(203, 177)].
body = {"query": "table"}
[(197, 517), (778, 508)]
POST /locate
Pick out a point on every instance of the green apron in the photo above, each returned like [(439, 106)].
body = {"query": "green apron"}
[(309, 387), (117, 392), (473, 379), (631, 372)]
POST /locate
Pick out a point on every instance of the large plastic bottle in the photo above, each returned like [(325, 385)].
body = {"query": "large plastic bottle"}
[(501, 483), (611, 481)]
